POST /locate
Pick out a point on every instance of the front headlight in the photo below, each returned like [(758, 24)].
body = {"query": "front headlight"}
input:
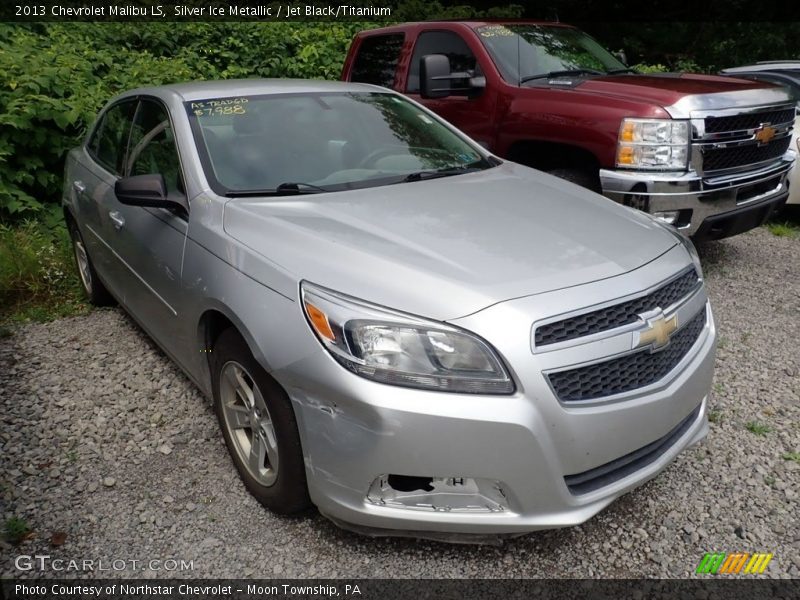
[(653, 144), (400, 349)]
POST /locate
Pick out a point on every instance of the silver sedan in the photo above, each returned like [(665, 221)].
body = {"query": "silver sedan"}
[(392, 323)]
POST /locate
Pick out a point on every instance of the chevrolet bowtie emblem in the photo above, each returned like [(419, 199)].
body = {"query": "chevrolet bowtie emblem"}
[(764, 134), (659, 329)]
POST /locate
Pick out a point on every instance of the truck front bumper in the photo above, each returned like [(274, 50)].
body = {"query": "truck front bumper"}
[(704, 207)]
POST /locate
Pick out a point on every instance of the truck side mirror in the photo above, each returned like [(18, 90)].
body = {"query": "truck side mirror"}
[(434, 76), (436, 79)]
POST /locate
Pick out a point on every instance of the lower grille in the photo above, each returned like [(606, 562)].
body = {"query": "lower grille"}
[(594, 479), (628, 372), (718, 159)]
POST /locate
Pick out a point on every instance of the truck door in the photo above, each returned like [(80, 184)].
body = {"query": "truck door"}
[(472, 112)]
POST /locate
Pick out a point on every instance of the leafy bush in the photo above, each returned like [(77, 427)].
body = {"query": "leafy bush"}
[(647, 69)]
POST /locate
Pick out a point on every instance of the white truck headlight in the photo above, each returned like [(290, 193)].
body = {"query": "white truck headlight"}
[(400, 349), (657, 144)]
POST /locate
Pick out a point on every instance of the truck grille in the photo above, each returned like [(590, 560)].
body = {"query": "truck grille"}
[(717, 159), (748, 121), (628, 372), (594, 479), (617, 315), (738, 131)]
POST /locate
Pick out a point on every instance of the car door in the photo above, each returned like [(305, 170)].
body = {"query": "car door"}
[(98, 166), (471, 112), (149, 242)]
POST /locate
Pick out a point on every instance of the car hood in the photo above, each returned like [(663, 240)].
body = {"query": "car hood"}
[(665, 89), (448, 247)]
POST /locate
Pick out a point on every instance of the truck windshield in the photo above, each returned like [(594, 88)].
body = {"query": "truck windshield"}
[(526, 52), (302, 143)]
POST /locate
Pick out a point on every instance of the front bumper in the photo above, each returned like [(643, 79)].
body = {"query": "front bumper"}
[(702, 201), (517, 449)]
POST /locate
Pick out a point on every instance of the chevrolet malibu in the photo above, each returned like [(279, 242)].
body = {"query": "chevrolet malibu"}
[(392, 323)]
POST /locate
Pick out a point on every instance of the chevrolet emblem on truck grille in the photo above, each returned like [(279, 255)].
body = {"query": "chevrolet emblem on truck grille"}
[(764, 133), (659, 329)]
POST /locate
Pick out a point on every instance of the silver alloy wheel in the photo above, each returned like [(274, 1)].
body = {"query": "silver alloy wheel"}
[(83, 264), (249, 423)]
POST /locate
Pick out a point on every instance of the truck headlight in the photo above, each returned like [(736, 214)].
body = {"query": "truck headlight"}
[(653, 144), (399, 349)]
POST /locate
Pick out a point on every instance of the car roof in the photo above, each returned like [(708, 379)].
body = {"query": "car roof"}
[(770, 65), (199, 90), (471, 23)]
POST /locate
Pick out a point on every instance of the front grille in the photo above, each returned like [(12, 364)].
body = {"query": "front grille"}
[(629, 372), (617, 315), (717, 159), (594, 479), (748, 121)]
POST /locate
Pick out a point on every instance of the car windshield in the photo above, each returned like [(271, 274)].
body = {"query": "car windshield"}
[(321, 142), (526, 52)]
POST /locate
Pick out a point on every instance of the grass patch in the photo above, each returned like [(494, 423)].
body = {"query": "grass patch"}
[(715, 416), (795, 456), (758, 428), (38, 279), (16, 530), (785, 229)]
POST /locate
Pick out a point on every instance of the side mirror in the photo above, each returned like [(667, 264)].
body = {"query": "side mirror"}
[(436, 79), (145, 190), (434, 76)]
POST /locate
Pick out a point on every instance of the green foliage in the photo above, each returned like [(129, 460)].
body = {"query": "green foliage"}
[(51, 87), (647, 69), (786, 229), (16, 530), (38, 280), (758, 428), (700, 47)]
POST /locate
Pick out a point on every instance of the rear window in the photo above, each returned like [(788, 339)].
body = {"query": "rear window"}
[(376, 61)]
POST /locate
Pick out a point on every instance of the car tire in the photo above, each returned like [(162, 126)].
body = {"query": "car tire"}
[(259, 427), (93, 288), (582, 177)]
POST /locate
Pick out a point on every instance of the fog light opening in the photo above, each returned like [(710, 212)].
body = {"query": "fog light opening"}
[(445, 494), (670, 216), (405, 483)]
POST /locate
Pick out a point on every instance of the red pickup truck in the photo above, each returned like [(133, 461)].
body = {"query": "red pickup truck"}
[(707, 154)]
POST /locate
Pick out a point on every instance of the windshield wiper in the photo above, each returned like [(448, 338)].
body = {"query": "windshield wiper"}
[(566, 73), (620, 71), (446, 172), (288, 188)]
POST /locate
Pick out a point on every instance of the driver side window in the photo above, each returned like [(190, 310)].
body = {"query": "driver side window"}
[(152, 147)]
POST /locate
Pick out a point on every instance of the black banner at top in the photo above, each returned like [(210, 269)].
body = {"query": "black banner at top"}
[(574, 11)]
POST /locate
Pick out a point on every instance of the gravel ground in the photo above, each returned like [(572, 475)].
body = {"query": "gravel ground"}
[(104, 440)]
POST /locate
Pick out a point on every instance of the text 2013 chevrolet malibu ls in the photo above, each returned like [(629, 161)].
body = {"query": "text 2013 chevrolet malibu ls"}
[(393, 324)]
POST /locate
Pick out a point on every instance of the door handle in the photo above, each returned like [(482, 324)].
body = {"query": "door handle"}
[(79, 186), (117, 219)]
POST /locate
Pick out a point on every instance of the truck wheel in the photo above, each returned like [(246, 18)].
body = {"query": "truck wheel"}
[(259, 427), (582, 177), (94, 289)]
